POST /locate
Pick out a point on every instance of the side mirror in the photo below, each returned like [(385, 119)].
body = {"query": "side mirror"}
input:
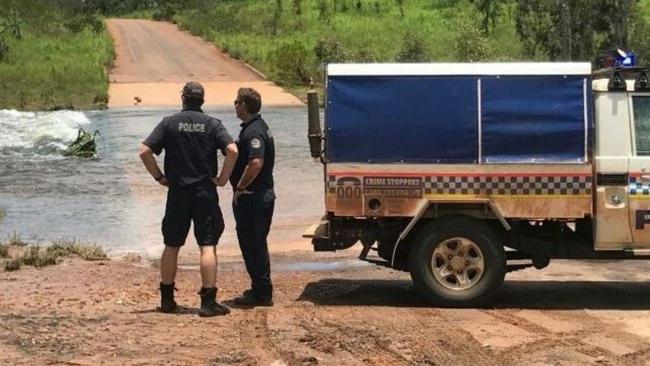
[(314, 133)]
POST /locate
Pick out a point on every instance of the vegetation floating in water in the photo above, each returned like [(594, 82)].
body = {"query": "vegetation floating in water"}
[(84, 146)]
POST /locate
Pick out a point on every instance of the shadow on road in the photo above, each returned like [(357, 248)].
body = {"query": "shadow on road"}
[(560, 295), (569, 295), (399, 293), (181, 310)]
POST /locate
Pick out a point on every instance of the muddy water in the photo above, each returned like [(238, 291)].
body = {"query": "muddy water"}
[(113, 201)]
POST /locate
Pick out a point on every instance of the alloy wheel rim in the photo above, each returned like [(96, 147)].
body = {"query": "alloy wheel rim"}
[(458, 264)]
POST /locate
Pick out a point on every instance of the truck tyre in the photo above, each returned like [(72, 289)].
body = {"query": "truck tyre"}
[(457, 262)]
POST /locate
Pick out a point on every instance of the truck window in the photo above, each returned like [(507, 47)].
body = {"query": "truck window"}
[(641, 107)]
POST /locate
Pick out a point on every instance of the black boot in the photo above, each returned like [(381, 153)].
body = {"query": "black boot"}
[(167, 303), (209, 304), (251, 299)]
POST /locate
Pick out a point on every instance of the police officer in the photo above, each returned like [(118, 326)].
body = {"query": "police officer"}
[(253, 197), (191, 139)]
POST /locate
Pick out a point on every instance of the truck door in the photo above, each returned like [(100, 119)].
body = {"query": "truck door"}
[(639, 170)]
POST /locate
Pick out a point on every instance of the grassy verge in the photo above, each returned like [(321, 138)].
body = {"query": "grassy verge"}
[(54, 71), (16, 253), (290, 46)]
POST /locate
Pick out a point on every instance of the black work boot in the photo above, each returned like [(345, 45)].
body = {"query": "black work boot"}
[(251, 299), (167, 303), (209, 304)]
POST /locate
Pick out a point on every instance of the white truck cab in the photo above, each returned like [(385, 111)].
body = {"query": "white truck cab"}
[(622, 163)]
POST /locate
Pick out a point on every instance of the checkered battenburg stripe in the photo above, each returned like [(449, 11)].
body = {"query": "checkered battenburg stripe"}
[(509, 185), (502, 185), (637, 188)]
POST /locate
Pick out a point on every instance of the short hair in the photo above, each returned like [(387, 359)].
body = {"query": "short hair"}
[(251, 98), (193, 94)]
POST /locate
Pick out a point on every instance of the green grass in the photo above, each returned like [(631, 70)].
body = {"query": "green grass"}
[(53, 71), (376, 33)]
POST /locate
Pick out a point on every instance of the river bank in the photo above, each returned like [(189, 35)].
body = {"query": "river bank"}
[(65, 70)]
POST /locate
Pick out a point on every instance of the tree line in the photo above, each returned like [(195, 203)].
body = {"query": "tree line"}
[(554, 29)]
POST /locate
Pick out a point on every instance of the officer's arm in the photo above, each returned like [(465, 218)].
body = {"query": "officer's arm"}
[(253, 168), (146, 155), (228, 164)]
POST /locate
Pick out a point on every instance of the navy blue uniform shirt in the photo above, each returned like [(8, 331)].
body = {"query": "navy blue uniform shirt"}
[(255, 141), (190, 139)]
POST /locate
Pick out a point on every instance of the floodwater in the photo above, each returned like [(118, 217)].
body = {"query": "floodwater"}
[(113, 201)]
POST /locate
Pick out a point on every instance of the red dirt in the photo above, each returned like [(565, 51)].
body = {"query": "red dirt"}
[(328, 311)]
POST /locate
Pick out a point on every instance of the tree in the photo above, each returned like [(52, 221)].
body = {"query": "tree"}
[(639, 34), (577, 29), (490, 10), (614, 21)]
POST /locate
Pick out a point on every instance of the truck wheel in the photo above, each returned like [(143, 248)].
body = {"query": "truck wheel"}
[(456, 262)]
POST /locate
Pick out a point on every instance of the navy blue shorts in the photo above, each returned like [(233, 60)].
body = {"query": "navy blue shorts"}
[(198, 204)]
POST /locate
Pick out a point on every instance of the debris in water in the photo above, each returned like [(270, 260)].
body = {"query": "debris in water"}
[(84, 146)]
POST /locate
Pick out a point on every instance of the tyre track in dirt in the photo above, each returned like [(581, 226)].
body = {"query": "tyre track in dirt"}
[(316, 338), (261, 349), (572, 341), (404, 338)]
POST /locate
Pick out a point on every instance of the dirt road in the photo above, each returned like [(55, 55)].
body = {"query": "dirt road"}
[(330, 310), (155, 59)]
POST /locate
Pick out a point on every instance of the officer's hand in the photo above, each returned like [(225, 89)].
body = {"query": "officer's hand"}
[(237, 194), (164, 182), (219, 181)]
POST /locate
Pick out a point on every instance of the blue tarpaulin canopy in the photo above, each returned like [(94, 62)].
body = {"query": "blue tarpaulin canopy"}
[(433, 113)]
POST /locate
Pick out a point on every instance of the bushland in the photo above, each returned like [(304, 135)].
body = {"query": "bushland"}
[(60, 60)]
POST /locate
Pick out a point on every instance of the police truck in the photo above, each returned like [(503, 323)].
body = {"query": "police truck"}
[(460, 173)]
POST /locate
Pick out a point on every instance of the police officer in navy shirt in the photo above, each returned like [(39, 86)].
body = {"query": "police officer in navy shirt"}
[(191, 139), (253, 197)]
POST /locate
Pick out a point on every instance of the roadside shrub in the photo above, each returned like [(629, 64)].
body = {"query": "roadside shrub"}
[(73, 248), (101, 99), (36, 257), (330, 50), (12, 265), (292, 63), (164, 12), (365, 54), (470, 43), (79, 22), (413, 48), (40, 257)]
